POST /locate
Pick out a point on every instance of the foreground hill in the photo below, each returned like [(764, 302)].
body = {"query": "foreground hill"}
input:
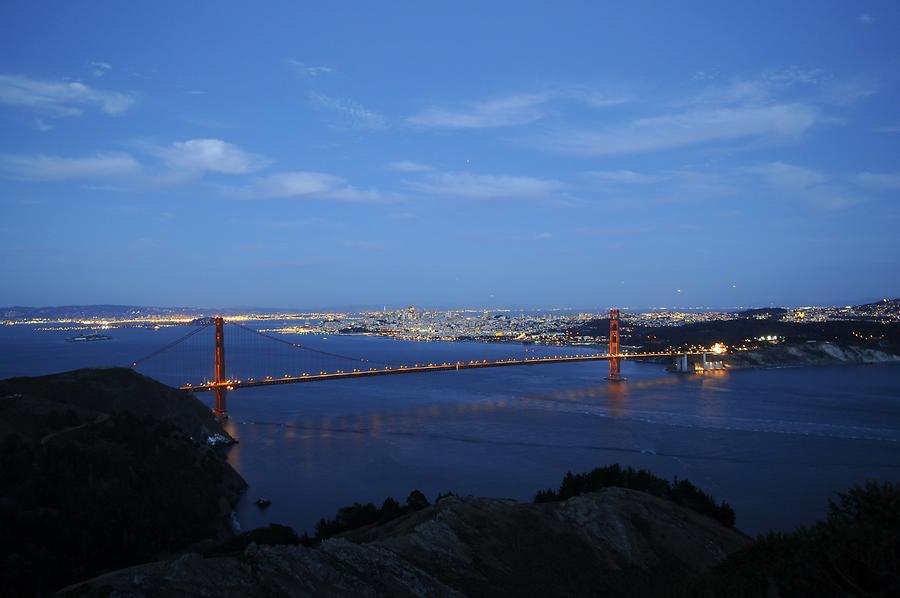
[(615, 542), (101, 469)]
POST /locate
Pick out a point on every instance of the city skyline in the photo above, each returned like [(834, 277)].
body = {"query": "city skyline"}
[(449, 155)]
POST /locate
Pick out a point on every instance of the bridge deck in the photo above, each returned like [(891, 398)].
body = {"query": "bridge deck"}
[(417, 369)]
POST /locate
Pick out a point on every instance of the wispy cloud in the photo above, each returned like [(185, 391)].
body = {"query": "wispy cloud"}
[(679, 185), (763, 89), (58, 168), (788, 177), (623, 177), (790, 181), (866, 19), (409, 166), (794, 84), (887, 129), (354, 194), (304, 185), (849, 91), (500, 112), (42, 125), (209, 155), (366, 245), (461, 184), (657, 133), (98, 69), (59, 99), (509, 110), (308, 71), (298, 223), (349, 113), (498, 238), (592, 98), (294, 184), (178, 162), (778, 182), (876, 181), (774, 107)]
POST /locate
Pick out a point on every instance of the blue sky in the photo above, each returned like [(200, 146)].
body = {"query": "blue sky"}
[(579, 154)]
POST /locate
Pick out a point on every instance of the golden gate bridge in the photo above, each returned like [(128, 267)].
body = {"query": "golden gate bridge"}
[(302, 363)]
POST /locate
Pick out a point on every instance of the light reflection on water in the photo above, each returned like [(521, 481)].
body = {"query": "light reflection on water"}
[(775, 443), (739, 436)]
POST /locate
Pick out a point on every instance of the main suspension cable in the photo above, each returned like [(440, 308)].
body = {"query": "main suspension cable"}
[(174, 343)]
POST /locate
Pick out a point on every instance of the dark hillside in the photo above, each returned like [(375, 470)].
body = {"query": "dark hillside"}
[(101, 469), (884, 336)]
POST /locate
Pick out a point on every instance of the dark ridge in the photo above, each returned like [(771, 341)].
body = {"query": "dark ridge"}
[(876, 335), (681, 492), (360, 515)]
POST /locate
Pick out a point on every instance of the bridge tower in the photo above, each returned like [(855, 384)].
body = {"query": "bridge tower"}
[(614, 360), (221, 409)]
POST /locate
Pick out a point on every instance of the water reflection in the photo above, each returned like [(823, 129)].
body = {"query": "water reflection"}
[(618, 405)]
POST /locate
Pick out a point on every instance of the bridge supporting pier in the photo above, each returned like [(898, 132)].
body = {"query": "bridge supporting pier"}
[(221, 386), (615, 374)]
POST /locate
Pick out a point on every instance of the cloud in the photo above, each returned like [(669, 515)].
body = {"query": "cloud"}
[(777, 182), (98, 69), (181, 160), (761, 90), (42, 125), (623, 177), (887, 129), (351, 114), (308, 71), (57, 168), (808, 85), (299, 223), (498, 238), (806, 184), (294, 184), (658, 133), (878, 181), (353, 194), (305, 184), (594, 99), (467, 185), (60, 99), (844, 93), (209, 155), (409, 166), (788, 177), (679, 185), (510, 110), (364, 245), (683, 185), (866, 19), (507, 111)]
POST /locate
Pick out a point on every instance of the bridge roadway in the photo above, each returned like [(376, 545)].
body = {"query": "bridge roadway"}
[(416, 369)]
